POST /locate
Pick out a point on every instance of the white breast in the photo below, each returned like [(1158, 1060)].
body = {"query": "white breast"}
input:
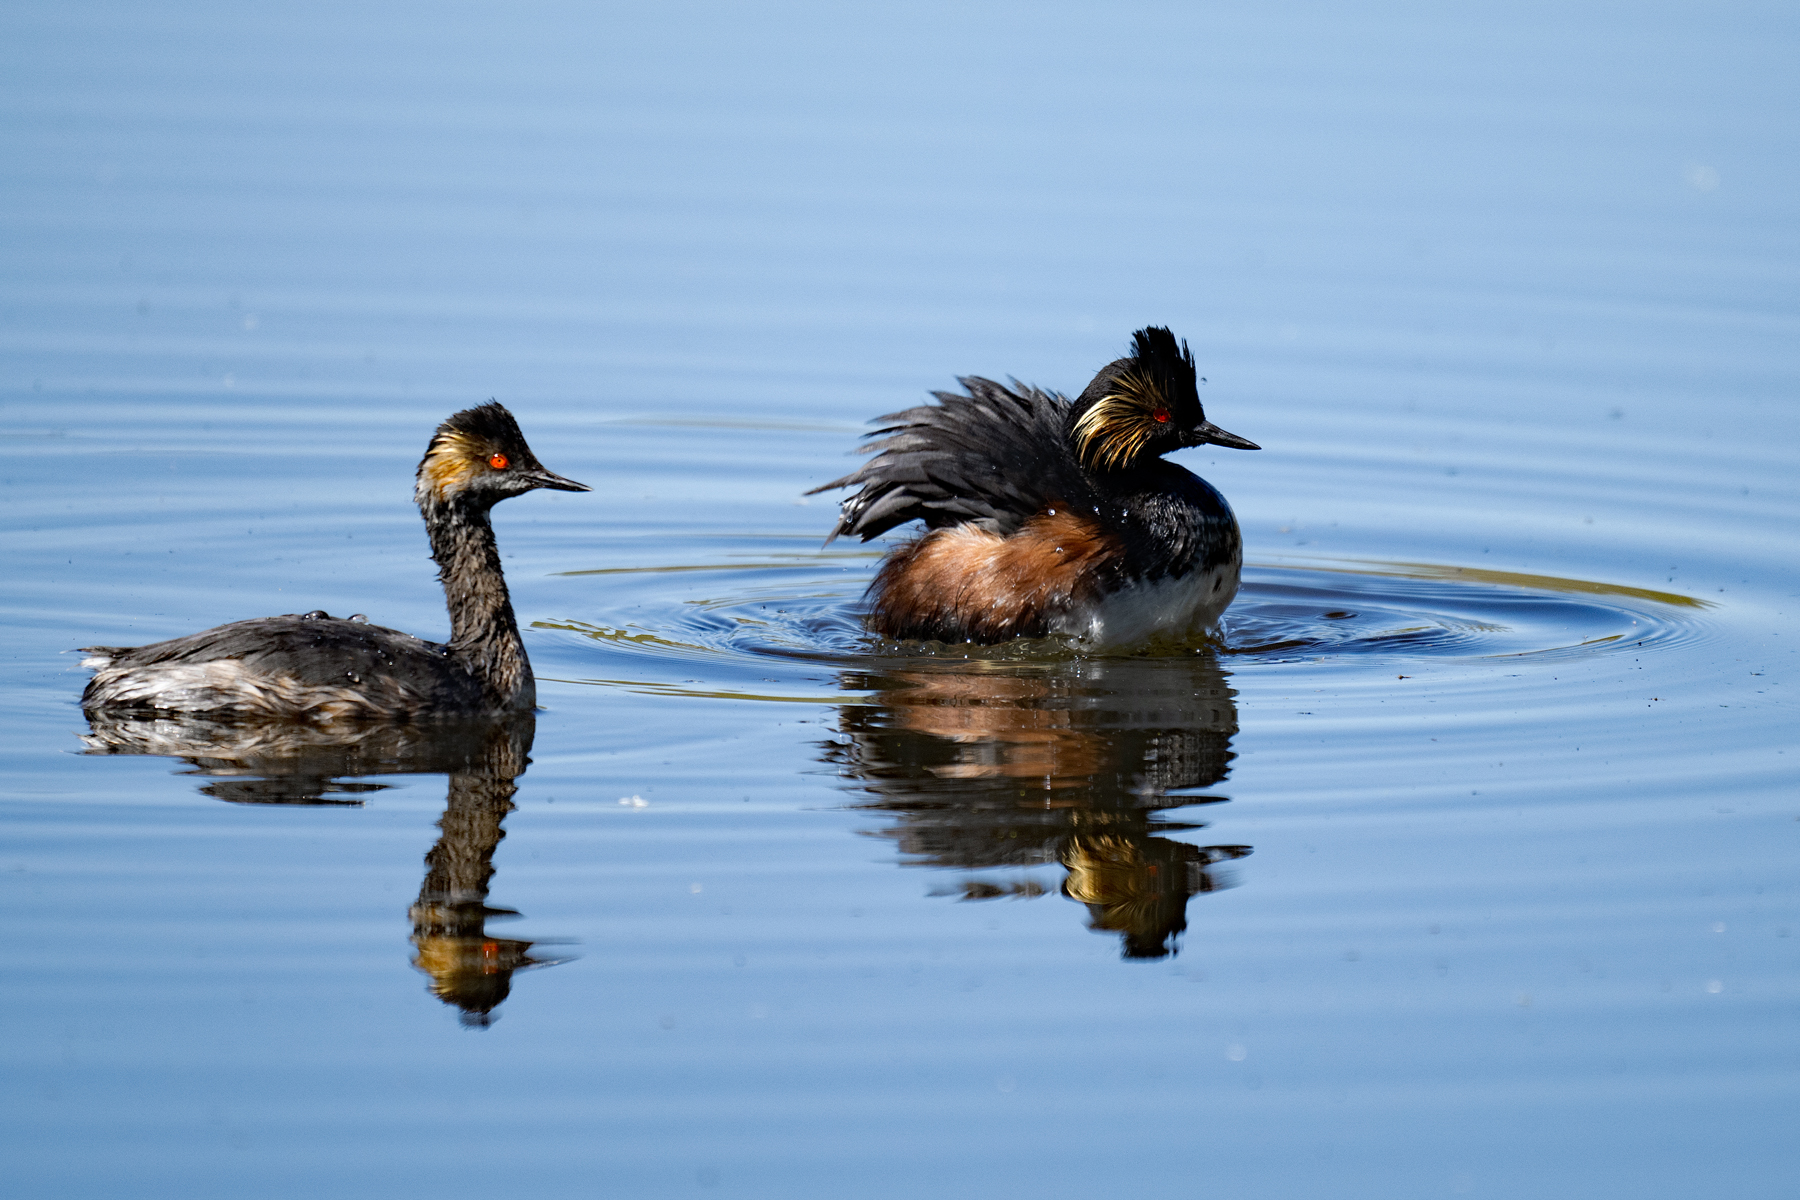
[(1167, 610)]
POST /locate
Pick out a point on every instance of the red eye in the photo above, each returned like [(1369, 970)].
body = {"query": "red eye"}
[(1161, 415), (498, 462)]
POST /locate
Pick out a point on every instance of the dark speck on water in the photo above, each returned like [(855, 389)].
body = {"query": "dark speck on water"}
[(1508, 298)]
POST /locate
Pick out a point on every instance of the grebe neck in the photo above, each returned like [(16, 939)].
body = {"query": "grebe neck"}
[(484, 634)]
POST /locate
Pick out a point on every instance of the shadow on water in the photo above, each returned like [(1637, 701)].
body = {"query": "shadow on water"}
[(992, 765), (288, 763)]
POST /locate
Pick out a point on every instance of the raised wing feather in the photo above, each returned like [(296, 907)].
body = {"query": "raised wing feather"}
[(992, 457)]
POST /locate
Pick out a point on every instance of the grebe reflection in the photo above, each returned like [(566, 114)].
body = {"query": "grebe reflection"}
[(280, 762), (987, 765)]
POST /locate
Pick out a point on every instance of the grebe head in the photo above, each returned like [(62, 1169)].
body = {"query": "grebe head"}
[(1144, 406), (478, 458)]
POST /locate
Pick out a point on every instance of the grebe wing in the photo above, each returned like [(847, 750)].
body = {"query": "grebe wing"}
[(298, 644), (307, 651), (995, 456)]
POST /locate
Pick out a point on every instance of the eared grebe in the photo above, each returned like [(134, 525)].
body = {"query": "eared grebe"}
[(322, 667), (1045, 517)]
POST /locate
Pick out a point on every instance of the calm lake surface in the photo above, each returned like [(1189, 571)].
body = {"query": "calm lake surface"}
[(1464, 863)]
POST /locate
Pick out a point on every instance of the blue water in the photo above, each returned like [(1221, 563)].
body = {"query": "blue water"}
[(1463, 864)]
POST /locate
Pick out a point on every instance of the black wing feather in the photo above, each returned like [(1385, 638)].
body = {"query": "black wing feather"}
[(311, 650), (993, 456)]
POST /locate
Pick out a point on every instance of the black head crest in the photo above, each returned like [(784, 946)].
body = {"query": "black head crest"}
[(1137, 406), (1167, 363), (489, 422), (479, 457)]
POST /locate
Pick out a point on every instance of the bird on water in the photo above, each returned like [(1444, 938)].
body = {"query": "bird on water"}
[(1045, 516), (319, 667)]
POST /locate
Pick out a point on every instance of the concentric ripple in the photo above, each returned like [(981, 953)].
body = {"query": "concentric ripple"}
[(786, 618), (1406, 609)]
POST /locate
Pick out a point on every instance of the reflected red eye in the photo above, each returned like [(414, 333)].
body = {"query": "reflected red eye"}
[(498, 462), (1161, 415)]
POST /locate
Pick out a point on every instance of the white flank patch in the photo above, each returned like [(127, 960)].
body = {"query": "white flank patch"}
[(1168, 610), (224, 683)]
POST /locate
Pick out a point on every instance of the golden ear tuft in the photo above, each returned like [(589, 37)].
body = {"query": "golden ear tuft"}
[(448, 463), (1118, 426)]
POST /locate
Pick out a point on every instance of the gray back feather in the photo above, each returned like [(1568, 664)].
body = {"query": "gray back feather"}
[(993, 456)]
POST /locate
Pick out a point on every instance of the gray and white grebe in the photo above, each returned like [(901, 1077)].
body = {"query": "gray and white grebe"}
[(1044, 516), (320, 667)]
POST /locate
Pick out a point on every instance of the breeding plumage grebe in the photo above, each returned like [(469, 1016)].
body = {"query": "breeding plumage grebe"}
[(322, 667), (1045, 517)]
